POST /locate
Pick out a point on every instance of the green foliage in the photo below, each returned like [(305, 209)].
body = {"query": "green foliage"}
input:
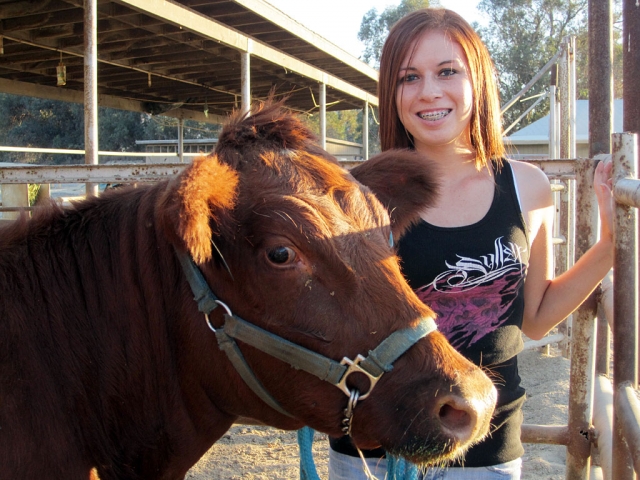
[(374, 132), (347, 125), (341, 124), (582, 60), (522, 36), (375, 27), (33, 192), (36, 122)]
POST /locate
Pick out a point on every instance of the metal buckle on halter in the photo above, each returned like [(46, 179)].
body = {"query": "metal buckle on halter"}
[(354, 366)]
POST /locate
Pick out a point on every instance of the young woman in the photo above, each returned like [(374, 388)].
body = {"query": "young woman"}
[(482, 258)]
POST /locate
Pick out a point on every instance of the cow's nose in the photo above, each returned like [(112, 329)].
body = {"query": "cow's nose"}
[(466, 419), (457, 415)]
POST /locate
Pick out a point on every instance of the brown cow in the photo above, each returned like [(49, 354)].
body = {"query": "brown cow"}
[(108, 369)]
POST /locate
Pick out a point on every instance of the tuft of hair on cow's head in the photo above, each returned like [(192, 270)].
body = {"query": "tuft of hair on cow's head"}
[(269, 126), (404, 181)]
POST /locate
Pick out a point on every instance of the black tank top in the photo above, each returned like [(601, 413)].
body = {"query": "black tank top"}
[(473, 278)]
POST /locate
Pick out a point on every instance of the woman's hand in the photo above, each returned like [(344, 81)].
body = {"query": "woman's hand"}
[(603, 186)]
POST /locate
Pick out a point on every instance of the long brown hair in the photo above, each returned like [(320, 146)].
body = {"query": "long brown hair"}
[(486, 120)]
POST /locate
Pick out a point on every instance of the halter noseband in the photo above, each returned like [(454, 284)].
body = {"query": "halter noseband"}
[(378, 361)]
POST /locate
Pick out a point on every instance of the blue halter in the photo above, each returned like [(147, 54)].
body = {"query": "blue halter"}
[(377, 362)]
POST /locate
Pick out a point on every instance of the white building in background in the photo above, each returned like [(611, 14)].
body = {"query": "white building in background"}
[(533, 140)]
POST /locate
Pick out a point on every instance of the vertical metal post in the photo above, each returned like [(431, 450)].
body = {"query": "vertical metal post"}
[(631, 65), (631, 68), (181, 140), (572, 97), (553, 120), (91, 88), (45, 193), (601, 123), (564, 253), (563, 87), (582, 334), (600, 76), (625, 295), (365, 131), (14, 195), (323, 115), (245, 77)]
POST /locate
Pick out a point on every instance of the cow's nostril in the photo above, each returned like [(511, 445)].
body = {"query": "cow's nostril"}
[(454, 418)]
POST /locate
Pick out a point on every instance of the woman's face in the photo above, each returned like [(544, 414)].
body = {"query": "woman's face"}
[(434, 95)]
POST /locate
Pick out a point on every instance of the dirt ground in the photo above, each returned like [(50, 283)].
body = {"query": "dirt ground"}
[(264, 453)]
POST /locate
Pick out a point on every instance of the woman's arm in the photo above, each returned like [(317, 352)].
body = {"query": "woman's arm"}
[(550, 300)]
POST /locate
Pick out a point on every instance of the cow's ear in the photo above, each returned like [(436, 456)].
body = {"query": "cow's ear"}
[(200, 198), (404, 181)]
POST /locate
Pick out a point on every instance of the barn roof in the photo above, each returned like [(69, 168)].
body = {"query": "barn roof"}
[(182, 55)]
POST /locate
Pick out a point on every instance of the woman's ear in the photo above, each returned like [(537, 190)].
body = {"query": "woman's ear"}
[(404, 181)]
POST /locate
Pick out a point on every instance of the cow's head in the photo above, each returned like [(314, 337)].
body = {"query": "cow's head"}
[(299, 246)]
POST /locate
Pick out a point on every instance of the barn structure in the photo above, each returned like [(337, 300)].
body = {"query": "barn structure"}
[(189, 59)]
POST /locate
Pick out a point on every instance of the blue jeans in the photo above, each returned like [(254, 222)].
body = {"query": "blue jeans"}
[(346, 467)]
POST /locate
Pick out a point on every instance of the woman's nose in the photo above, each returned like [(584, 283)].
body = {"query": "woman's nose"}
[(431, 89)]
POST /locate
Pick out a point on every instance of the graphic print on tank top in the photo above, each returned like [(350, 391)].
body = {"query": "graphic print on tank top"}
[(473, 296)]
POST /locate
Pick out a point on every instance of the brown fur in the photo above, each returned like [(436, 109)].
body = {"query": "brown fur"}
[(107, 369)]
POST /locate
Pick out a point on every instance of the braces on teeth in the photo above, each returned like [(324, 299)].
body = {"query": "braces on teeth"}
[(433, 116)]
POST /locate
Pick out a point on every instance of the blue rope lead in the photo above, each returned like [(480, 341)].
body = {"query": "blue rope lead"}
[(399, 469), (307, 466)]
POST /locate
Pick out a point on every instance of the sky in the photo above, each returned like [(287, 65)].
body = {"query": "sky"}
[(339, 20)]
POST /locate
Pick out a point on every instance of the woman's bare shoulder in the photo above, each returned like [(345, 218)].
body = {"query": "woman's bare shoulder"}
[(533, 185)]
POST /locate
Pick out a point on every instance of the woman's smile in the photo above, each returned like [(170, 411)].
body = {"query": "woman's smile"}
[(433, 116)]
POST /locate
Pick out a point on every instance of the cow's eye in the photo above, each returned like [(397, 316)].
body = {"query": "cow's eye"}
[(281, 255)]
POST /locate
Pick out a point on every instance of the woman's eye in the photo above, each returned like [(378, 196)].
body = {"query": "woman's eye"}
[(408, 78), (447, 72), (281, 255)]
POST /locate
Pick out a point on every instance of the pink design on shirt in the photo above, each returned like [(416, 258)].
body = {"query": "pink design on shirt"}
[(472, 298)]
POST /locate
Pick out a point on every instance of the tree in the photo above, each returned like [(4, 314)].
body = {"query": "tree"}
[(342, 125), (374, 28), (523, 35), (37, 122)]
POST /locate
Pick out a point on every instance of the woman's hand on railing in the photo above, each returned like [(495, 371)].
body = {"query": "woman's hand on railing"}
[(603, 186)]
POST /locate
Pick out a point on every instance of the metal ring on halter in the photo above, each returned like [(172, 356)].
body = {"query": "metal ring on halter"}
[(223, 305)]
